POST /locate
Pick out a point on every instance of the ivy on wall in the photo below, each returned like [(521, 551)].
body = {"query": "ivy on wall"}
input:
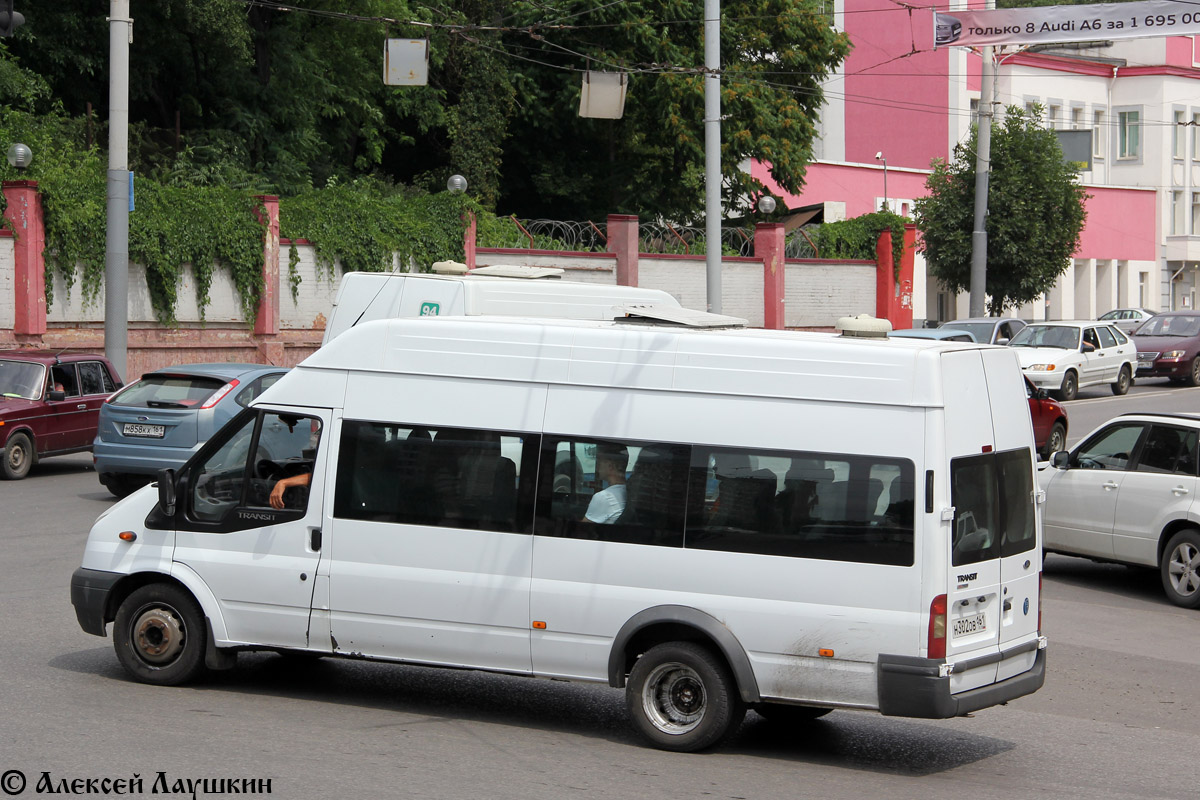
[(858, 237), (367, 226)]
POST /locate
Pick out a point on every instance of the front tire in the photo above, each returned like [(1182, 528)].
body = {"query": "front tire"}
[(1070, 387), (18, 457), (1180, 569), (1193, 378), (1123, 381), (682, 698), (159, 635)]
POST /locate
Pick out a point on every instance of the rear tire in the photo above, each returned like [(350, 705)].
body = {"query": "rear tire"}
[(18, 457), (1057, 440), (1123, 381), (1180, 569), (682, 698), (1070, 387), (781, 714), (159, 635), (123, 485)]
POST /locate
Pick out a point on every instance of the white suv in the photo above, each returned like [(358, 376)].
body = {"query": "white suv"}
[(1063, 357), (1127, 493)]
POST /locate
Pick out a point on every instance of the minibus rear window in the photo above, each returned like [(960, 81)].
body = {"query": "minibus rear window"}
[(993, 501)]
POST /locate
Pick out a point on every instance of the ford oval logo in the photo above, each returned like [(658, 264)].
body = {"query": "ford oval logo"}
[(143, 419), (1025, 608)]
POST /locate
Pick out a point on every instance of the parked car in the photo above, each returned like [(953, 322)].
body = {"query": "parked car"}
[(936, 334), (1169, 347), (1127, 493), (1049, 419), (989, 330), (1127, 319), (159, 421), (1063, 357), (49, 404)]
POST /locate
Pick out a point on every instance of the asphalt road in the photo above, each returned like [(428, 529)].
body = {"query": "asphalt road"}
[(1116, 719)]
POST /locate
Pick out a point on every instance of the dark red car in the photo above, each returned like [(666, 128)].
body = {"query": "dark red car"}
[(1049, 421), (49, 405)]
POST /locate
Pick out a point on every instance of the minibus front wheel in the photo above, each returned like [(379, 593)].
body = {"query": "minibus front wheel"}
[(159, 635), (681, 697)]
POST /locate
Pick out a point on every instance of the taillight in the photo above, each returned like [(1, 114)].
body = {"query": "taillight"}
[(219, 395), (937, 627)]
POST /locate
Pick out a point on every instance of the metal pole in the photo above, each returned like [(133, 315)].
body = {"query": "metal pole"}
[(712, 153), (886, 205), (983, 156), (116, 257)]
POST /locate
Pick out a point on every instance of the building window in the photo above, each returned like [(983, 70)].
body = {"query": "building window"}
[(1129, 142), (1052, 117), (1142, 277), (1076, 119), (1195, 137), (1031, 111), (1178, 136), (1176, 213), (1098, 134), (1195, 213)]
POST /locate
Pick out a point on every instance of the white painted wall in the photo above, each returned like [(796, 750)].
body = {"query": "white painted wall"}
[(8, 309)]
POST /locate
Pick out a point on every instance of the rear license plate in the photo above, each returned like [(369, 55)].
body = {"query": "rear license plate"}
[(144, 431), (965, 626)]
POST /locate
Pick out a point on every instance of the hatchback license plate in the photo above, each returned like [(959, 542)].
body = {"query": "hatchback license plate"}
[(965, 626), (144, 431)]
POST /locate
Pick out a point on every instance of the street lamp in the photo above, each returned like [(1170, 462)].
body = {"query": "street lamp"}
[(880, 157), (766, 204), (19, 156), (456, 184)]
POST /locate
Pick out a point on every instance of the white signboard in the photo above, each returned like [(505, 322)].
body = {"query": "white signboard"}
[(1052, 24), (406, 62)]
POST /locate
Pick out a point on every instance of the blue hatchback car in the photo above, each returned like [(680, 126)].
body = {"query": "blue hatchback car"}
[(159, 421)]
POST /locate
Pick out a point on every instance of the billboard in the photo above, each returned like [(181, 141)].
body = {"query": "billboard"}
[(1055, 24)]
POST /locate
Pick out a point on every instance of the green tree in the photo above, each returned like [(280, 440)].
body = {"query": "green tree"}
[(1036, 213)]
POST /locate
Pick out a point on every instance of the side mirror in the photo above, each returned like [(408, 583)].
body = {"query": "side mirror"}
[(1003, 340), (166, 491), (56, 394), (1041, 394), (1061, 460), (1088, 347)]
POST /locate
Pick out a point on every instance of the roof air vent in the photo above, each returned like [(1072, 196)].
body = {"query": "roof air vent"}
[(864, 326)]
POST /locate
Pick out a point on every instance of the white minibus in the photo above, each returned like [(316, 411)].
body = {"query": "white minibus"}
[(497, 290), (714, 520)]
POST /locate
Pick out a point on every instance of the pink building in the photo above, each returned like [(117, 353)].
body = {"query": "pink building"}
[(897, 99)]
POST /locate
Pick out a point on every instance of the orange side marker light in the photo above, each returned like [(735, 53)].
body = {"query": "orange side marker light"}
[(539, 625), (127, 536), (825, 652)]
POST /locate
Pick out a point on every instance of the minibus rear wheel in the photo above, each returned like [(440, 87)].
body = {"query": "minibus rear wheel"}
[(681, 697), (159, 635)]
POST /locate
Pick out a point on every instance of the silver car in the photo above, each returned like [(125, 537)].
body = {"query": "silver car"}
[(159, 421), (1127, 319), (988, 330)]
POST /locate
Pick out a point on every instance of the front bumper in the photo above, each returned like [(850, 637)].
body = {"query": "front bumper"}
[(914, 687), (1050, 381), (90, 590), (1166, 368)]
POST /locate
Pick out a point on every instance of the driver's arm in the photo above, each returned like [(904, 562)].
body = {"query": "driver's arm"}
[(283, 484)]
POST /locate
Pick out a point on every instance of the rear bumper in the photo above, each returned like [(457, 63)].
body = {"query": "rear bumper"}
[(913, 687), (90, 589), (125, 459)]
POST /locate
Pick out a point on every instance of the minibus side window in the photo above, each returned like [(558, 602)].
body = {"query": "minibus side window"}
[(802, 505), (616, 491), (1016, 488), (242, 472), (445, 477)]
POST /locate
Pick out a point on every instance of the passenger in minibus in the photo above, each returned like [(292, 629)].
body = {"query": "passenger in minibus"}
[(608, 503)]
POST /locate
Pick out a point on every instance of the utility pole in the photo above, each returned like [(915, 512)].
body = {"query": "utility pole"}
[(712, 153), (983, 159), (116, 251)]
